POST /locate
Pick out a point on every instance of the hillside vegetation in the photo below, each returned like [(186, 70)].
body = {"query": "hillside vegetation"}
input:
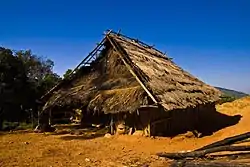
[(233, 93), (230, 95)]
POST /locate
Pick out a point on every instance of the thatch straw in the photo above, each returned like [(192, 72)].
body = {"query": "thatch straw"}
[(118, 100), (173, 87), (108, 86)]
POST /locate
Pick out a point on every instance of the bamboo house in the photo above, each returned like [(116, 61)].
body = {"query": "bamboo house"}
[(131, 83)]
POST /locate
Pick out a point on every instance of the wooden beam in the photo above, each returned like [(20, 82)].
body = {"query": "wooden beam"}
[(131, 70), (149, 106), (143, 46), (203, 153), (208, 163), (138, 41), (119, 31), (226, 141)]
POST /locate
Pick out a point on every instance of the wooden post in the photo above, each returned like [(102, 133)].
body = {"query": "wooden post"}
[(32, 117), (76, 68), (112, 131), (38, 118), (149, 129), (49, 117)]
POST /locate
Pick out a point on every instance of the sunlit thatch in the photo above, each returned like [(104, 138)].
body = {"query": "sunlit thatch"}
[(108, 86)]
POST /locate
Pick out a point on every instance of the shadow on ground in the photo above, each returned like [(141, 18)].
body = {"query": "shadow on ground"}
[(81, 137), (81, 134), (216, 121), (67, 126), (202, 122), (7, 132)]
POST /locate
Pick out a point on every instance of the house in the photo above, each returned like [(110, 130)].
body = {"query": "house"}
[(135, 85)]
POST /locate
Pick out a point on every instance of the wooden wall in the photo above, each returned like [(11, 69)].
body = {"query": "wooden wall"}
[(171, 123)]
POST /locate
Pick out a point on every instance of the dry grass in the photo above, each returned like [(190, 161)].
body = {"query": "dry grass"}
[(236, 106), (173, 87), (107, 87), (112, 101)]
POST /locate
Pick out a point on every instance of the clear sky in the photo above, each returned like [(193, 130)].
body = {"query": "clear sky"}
[(208, 38)]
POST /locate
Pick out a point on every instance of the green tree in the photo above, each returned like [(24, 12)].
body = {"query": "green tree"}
[(39, 71), (13, 82), (24, 78), (40, 76), (67, 73)]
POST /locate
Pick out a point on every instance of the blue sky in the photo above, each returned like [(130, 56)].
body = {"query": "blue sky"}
[(208, 38)]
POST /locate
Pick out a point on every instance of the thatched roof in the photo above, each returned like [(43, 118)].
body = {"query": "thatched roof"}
[(147, 70)]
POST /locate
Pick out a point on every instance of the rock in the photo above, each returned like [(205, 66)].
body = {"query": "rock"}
[(26, 143), (189, 134), (87, 160), (134, 165), (130, 131), (108, 135), (62, 132), (155, 157), (78, 132), (145, 165), (38, 129)]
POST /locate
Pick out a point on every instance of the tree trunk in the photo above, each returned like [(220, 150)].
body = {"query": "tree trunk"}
[(112, 125), (207, 164), (226, 141), (202, 153)]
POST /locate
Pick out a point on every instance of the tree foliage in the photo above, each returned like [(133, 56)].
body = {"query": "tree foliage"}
[(67, 73), (24, 78)]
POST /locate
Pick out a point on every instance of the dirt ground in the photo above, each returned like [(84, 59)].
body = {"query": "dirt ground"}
[(31, 149)]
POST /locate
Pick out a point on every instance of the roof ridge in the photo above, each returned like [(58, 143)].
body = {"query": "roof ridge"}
[(141, 43)]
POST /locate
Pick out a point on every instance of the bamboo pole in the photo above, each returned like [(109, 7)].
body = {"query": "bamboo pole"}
[(50, 121), (82, 62), (131, 70), (149, 106), (141, 43)]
